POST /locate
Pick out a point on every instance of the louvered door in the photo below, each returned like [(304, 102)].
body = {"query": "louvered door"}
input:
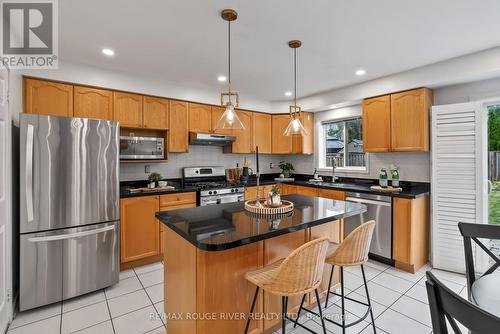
[(457, 179)]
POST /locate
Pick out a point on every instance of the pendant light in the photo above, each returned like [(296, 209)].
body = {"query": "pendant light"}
[(229, 119), (295, 126)]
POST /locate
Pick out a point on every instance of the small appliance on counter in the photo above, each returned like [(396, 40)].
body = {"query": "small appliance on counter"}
[(141, 148)]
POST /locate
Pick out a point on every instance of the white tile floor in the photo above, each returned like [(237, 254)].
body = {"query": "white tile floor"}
[(399, 302)]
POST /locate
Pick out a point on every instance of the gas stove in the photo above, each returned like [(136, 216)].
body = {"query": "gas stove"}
[(212, 185)]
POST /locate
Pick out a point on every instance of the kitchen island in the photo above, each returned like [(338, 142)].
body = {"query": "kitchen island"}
[(209, 249)]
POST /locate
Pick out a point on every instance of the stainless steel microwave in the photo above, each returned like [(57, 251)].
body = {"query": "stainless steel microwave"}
[(142, 148)]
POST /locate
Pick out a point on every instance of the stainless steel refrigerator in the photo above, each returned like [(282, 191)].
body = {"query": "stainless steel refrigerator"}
[(69, 219)]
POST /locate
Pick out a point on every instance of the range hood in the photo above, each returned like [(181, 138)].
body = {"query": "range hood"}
[(198, 138)]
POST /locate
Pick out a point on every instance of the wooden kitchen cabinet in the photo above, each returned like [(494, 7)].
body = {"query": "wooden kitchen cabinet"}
[(304, 144), (280, 144), (93, 103), (307, 191), (139, 228), (262, 129), (410, 120), (410, 244), (332, 194), (48, 98), (178, 199), (200, 118), (243, 142), (216, 114), (178, 133), (288, 189), (174, 202), (377, 124), (128, 109), (251, 192), (155, 113)]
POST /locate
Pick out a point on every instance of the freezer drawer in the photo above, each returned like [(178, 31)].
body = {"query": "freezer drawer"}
[(66, 263)]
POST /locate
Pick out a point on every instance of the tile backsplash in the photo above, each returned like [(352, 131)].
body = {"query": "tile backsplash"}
[(413, 166), (200, 156)]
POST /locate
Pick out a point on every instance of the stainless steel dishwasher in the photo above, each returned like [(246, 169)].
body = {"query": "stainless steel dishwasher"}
[(379, 208)]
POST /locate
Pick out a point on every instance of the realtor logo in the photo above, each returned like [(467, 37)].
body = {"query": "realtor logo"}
[(29, 34)]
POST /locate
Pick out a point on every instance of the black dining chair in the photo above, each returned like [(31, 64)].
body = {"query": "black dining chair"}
[(445, 305), (472, 232)]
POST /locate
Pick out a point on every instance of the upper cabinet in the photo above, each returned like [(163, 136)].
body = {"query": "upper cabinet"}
[(178, 133), (48, 98), (410, 120), (93, 103), (128, 109), (305, 144), (262, 129), (377, 124), (200, 117), (155, 113), (243, 142), (215, 116), (397, 122), (280, 143)]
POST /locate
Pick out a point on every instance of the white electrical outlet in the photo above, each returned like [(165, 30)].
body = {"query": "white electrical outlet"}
[(271, 165), (147, 169)]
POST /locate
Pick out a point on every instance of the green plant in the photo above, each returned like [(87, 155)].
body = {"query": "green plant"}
[(154, 177), (276, 188), (286, 167)]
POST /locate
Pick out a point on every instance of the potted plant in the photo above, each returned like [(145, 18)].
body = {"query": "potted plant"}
[(274, 196), (286, 168), (153, 179)]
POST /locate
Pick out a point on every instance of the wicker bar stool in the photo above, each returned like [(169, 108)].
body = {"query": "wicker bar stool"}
[(298, 274), (353, 251)]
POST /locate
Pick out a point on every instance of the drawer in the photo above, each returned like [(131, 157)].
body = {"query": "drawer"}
[(332, 194), (178, 199), (178, 206)]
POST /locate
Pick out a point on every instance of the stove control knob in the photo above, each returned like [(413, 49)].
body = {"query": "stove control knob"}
[(215, 192), (232, 190), (210, 193)]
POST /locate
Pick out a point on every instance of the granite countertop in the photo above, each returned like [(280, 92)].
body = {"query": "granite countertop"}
[(410, 189), (225, 226), (125, 187)]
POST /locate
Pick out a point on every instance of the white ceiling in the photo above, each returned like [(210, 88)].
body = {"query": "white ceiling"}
[(185, 41)]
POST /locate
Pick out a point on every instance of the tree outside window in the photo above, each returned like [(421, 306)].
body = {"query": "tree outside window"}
[(344, 143)]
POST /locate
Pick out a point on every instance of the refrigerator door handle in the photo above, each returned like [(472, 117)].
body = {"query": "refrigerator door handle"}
[(72, 235), (29, 172)]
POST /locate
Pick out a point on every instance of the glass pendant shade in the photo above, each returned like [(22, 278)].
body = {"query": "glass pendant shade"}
[(229, 119), (295, 127)]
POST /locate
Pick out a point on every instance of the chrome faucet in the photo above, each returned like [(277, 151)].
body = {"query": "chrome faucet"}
[(333, 171)]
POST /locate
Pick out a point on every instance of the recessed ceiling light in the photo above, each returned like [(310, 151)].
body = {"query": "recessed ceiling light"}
[(288, 93), (108, 52), (360, 72), (222, 78), (333, 106)]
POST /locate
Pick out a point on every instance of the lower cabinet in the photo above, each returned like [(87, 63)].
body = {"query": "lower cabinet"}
[(410, 234), (140, 231), (251, 192)]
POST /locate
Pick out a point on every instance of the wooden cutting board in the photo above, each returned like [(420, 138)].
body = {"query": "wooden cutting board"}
[(149, 190)]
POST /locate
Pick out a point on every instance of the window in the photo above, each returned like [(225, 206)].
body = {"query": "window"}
[(344, 144)]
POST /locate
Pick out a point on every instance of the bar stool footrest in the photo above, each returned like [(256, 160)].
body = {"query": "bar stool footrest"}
[(295, 322), (349, 298)]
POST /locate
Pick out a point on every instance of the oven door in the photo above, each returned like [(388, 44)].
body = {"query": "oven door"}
[(221, 199), (138, 148)]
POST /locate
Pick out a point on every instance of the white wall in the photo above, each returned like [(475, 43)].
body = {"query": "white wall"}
[(471, 91)]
